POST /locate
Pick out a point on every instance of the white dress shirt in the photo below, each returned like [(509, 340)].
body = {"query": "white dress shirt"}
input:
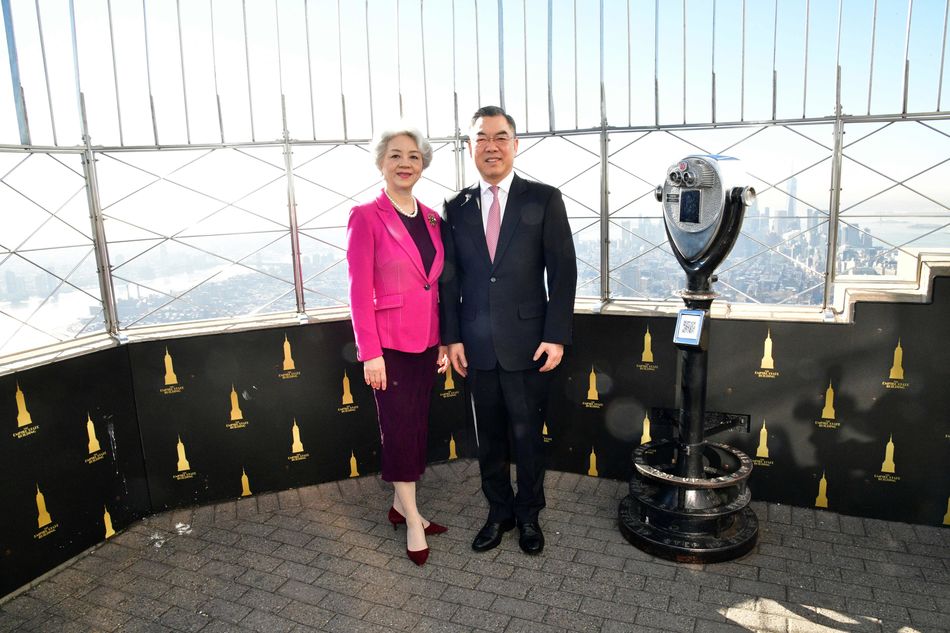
[(503, 188)]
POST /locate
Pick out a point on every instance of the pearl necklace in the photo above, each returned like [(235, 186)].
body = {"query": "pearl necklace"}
[(415, 206)]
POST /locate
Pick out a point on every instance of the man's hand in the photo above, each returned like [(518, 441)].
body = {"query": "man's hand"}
[(458, 360), (443, 359), (555, 352), (374, 373)]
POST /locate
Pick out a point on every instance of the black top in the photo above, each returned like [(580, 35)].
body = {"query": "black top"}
[(420, 235)]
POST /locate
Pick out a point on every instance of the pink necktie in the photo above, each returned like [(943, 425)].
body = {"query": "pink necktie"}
[(494, 223)]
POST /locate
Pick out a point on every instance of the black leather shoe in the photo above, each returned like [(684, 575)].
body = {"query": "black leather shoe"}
[(490, 535), (531, 540)]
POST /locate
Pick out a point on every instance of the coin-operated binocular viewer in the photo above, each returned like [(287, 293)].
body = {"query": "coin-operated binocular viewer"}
[(688, 498)]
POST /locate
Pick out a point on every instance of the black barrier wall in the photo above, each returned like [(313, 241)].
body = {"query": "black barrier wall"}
[(231, 415), (70, 462), (852, 418), (182, 422)]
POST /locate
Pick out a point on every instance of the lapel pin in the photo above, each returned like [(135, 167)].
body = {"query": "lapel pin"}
[(432, 219)]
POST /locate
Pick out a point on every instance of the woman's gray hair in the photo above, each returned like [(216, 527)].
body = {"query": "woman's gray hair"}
[(382, 140)]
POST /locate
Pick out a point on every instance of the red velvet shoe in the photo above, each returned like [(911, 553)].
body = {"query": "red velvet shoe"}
[(397, 519), (419, 557)]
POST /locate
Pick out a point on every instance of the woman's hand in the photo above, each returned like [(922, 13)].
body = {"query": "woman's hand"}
[(443, 359), (374, 373)]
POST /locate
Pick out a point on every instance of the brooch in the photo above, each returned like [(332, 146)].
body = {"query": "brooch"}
[(432, 219)]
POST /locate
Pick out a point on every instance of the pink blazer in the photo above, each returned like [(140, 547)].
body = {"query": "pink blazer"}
[(393, 302)]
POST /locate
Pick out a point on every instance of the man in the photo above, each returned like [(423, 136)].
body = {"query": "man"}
[(506, 308)]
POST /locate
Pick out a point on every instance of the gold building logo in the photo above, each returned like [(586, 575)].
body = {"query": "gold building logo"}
[(354, 472), (348, 405), (237, 416), (95, 452), (448, 389), (44, 522), (827, 420), (821, 501), (297, 453), (545, 433), (289, 369), (888, 467), (593, 397), (107, 522), (592, 464), (896, 374), (24, 421), (452, 453), (245, 484), (762, 450), (171, 378), (183, 467), (767, 364), (646, 357), (645, 435)]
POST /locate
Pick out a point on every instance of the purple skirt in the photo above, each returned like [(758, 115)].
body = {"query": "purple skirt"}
[(403, 412)]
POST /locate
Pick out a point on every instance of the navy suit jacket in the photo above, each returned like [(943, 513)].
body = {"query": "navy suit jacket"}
[(502, 310)]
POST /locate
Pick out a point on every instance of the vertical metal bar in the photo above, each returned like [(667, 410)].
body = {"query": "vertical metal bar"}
[(774, 54), (805, 74), (459, 151), (576, 96), (99, 241), (524, 25), (656, 62), (339, 48), (457, 140), (148, 73), (369, 73), (713, 66), (18, 96), (398, 60), (280, 65), (501, 54), (838, 38), (835, 198), (77, 85), (100, 244), (742, 74), (214, 70), (684, 61), (604, 170), (871, 63), (292, 216), (551, 65), (425, 84), (181, 57), (629, 73), (478, 60), (247, 63), (910, 13), (313, 114), (943, 50), (49, 94), (115, 72)]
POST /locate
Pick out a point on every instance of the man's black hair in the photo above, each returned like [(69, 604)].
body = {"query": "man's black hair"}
[(491, 110)]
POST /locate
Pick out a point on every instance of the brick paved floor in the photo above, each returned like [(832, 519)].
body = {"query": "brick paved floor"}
[(323, 558)]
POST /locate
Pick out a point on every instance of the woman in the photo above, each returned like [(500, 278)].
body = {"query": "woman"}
[(395, 256)]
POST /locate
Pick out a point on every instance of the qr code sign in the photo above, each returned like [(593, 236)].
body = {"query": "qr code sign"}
[(688, 327)]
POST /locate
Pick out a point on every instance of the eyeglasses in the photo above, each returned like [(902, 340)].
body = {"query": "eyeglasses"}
[(498, 139)]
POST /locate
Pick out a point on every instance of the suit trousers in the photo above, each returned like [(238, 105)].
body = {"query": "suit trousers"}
[(510, 409)]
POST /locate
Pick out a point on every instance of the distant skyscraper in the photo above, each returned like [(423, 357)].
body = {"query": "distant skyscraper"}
[(792, 193)]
